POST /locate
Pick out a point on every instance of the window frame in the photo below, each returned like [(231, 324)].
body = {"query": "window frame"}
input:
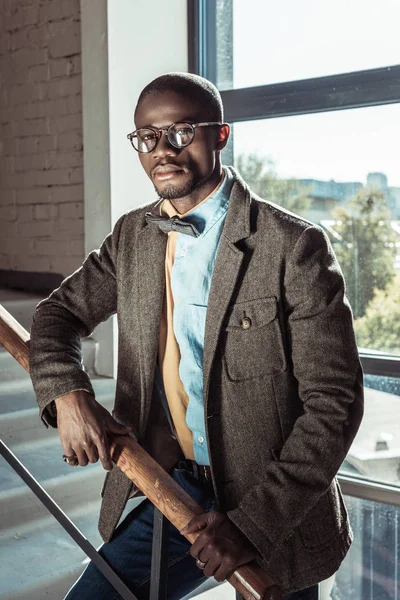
[(358, 89)]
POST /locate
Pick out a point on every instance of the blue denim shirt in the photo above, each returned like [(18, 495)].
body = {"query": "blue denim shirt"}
[(190, 283)]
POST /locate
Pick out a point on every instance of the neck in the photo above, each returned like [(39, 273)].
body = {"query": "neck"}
[(187, 203)]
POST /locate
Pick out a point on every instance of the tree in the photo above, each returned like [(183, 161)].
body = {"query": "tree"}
[(379, 328), (367, 246), (260, 174)]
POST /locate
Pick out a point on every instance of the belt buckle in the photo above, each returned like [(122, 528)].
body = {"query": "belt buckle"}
[(205, 474)]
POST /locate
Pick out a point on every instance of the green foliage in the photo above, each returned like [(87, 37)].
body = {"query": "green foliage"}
[(367, 250), (259, 173), (379, 328)]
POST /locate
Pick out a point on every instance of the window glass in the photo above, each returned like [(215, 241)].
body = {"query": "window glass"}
[(370, 570), (273, 42), (340, 170), (375, 452)]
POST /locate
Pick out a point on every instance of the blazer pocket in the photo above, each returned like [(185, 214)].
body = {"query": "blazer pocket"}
[(254, 343)]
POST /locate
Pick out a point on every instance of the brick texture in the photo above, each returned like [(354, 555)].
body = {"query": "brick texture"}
[(41, 168)]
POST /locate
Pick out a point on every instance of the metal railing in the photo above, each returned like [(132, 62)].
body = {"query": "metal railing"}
[(170, 501), (66, 523), (367, 489)]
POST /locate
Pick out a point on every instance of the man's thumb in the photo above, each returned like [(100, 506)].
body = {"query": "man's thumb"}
[(196, 524)]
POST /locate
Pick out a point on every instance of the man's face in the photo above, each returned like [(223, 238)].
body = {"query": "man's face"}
[(178, 172)]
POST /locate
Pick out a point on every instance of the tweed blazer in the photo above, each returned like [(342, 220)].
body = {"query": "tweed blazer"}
[(282, 397)]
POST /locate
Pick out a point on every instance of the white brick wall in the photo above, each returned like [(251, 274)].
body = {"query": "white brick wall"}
[(41, 170)]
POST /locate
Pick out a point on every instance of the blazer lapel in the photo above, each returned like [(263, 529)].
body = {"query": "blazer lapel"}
[(226, 272), (151, 285)]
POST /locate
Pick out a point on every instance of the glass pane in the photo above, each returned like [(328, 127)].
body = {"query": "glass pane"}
[(375, 452), (340, 170), (370, 570), (289, 40)]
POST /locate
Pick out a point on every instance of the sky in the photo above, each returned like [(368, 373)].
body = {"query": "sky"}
[(298, 39)]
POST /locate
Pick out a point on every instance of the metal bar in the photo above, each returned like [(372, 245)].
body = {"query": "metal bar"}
[(378, 364), (66, 523), (223, 15), (194, 36), (159, 557), (384, 493), (335, 92), (210, 40), (202, 38)]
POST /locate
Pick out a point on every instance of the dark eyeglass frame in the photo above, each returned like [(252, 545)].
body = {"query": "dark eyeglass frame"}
[(158, 132)]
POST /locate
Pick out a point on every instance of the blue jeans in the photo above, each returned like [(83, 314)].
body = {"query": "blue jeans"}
[(129, 553)]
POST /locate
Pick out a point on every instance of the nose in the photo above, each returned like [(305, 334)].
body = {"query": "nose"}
[(164, 148)]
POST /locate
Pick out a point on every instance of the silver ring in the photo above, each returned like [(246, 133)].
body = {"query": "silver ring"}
[(70, 460), (200, 563)]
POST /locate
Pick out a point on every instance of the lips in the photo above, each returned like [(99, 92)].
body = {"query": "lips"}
[(166, 171)]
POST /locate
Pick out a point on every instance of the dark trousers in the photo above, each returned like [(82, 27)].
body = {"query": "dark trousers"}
[(129, 553)]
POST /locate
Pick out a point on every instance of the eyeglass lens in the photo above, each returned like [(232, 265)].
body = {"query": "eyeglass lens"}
[(178, 134)]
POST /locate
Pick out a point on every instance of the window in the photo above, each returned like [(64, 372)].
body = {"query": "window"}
[(375, 452), (327, 143), (370, 569), (272, 42), (340, 170), (313, 93)]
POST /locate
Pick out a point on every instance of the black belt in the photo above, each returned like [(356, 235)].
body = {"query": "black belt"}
[(200, 472)]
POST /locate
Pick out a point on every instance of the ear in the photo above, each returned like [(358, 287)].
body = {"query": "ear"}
[(223, 136)]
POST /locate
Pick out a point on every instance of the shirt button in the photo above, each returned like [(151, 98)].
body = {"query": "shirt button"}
[(246, 323), (200, 439), (183, 253)]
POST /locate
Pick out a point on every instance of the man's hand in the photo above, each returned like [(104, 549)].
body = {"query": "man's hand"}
[(83, 425), (220, 545)]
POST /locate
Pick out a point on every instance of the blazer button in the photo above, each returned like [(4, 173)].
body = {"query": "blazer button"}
[(245, 323)]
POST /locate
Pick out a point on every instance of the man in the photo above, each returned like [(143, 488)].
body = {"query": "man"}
[(238, 368)]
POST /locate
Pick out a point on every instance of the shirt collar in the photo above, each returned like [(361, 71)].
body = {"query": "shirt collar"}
[(205, 214)]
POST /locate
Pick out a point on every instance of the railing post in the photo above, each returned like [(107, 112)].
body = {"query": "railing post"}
[(66, 523), (159, 557)]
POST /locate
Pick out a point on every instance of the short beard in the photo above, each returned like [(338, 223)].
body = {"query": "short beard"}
[(174, 192)]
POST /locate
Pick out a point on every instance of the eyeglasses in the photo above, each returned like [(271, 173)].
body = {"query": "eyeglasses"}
[(179, 135)]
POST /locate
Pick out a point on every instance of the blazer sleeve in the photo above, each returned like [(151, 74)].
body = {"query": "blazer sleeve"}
[(70, 313), (325, 362)]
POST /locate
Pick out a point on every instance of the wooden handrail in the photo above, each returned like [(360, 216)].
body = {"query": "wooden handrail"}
[(249, 580), (14, 338)]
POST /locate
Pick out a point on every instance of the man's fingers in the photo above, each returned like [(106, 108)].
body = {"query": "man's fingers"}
[(82, 457), (92, 454), (70, 453), (68, 450), (222, 573), (212, 566), (196, 524), (103, 448)]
